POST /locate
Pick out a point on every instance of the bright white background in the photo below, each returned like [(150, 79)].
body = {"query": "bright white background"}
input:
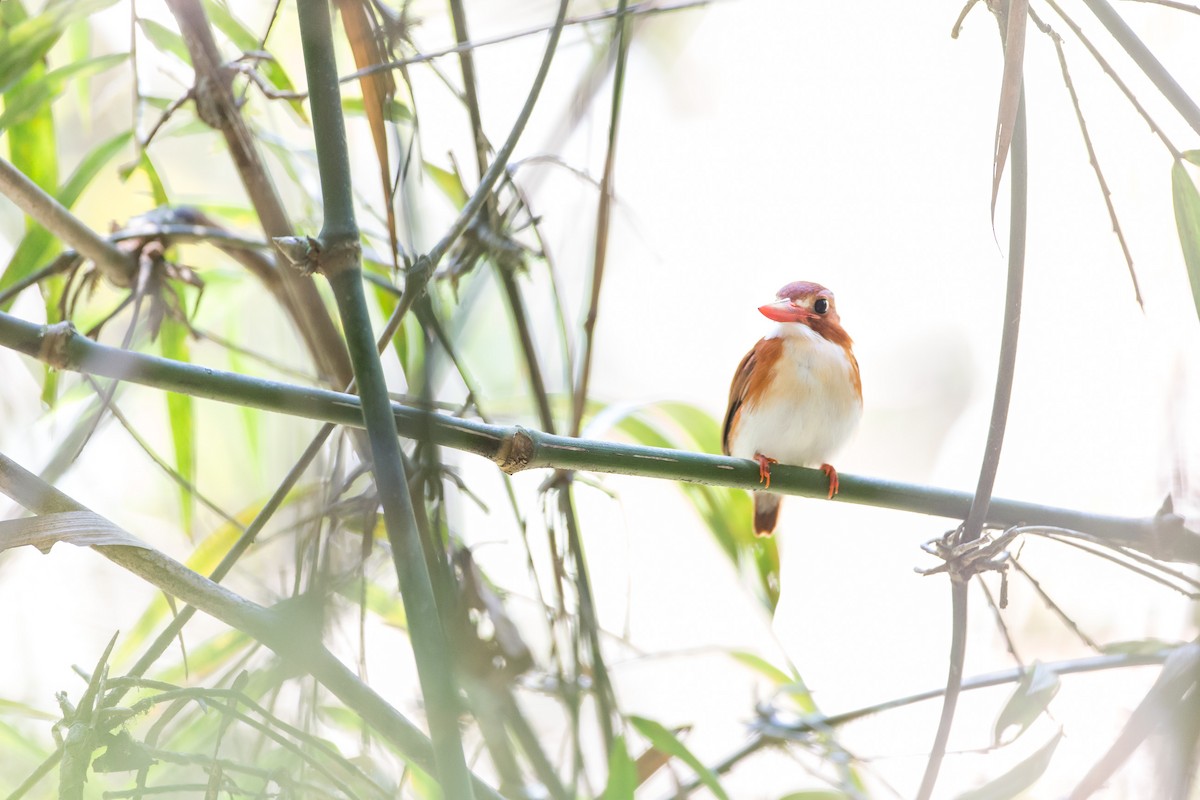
[(764, 142)]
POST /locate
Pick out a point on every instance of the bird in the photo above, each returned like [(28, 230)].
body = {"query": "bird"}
[(797, 395)]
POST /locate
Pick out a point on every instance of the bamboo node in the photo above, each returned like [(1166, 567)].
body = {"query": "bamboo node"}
[(515, 451), (53, 349)]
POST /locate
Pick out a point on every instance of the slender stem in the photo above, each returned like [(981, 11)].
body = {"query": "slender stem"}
[(1116, 79), (771, 730), (978, 514), (1145, 59), (59, 345), (1094, 160), (296, 643), (217, 106), (603, 215), (423, 269), (54, 217), (646, 8), (340, 259)]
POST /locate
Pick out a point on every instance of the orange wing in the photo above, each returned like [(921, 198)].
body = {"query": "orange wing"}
[(749, 382)]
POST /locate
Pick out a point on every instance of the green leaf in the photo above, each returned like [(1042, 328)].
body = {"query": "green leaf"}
[(668, 743), (725, 512), (763, 667), (26, 99), (1017, 779), (165, 39), (245, 40), (394, 110), (622, 774), (384, 603), (449, 182), (1039, 684), (24, 41), (1139, 647), (173, 343), (1187, 220)]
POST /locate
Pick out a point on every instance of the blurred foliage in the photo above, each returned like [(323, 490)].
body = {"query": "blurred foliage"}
[(216, 714)]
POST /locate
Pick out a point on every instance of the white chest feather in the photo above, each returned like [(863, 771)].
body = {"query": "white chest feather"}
[(811, 405)]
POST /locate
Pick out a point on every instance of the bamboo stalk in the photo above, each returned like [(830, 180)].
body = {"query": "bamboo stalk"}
[(338, 254), (294, 642), (515, 448)]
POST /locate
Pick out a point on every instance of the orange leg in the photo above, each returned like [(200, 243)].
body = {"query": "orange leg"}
[(831, 473), (764, 468)]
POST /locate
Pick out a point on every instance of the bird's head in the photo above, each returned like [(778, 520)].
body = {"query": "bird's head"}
[(809, 304)]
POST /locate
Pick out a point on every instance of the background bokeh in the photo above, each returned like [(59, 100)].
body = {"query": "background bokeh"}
[(760, 142)]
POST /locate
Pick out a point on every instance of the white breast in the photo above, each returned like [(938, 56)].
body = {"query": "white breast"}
[(810, 409)]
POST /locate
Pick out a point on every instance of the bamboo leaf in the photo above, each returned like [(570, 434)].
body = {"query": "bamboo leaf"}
[(725, 512), (80, 528), (24, 41), (763, 667), (667, 742), (1010, 89), (26, 99), (165, 39), (246, 40), (1017, 779), (173, 343), (622, 774), (1029, 700), (1187, 221), (449, 182)]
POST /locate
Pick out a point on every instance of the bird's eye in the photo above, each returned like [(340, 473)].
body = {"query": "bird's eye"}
[(821, 306)]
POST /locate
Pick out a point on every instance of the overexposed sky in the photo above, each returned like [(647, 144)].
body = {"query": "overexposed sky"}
[(764, 142)]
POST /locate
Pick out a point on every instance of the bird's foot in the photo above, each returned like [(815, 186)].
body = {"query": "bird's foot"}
[(831, 473), (764, 468)]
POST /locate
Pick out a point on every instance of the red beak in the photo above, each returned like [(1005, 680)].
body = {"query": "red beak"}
[(784, 311)]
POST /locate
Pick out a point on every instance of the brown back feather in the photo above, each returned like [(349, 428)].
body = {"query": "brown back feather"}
[(749, 382)]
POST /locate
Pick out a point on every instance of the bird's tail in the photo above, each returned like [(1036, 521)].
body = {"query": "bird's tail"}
[(766, 512)]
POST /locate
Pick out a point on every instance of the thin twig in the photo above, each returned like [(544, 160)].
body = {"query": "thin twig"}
[(1171, 4), (771, 730), (171, 472), (1092, 158), (1009, 644), (1104, 65), (1147, 61), (645, 8), (1053, 606), (603, 215), (423, 270), (299, 645)]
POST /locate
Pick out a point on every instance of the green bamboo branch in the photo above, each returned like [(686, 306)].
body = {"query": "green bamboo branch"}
[(216, 105), (276, 629), (1146, 60), (515, 448), (117, 266), (337, 253), (977, 515)]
